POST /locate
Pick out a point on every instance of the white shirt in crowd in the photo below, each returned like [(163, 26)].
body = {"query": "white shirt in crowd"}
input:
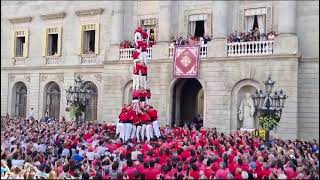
[(17, 162), (134, 155), (42, 148), (101, 150), (31, 114), (65, 152), (91, 155)]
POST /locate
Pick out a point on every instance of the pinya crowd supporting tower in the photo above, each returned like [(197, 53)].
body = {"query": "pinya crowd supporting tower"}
[(139, 118)]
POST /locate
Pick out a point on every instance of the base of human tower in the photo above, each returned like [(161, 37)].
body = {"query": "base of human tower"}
[(139, 120)]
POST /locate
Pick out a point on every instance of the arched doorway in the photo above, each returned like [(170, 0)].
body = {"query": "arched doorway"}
[(187, 101), (91, 113), (19, 99), (52, 101), (127, 93)]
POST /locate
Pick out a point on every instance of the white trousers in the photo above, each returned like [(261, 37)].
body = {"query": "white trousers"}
[(121, 130), (133, 132), (144, 55), (156, 128), (117, 127), (135, 81), (143, 82), (128, 128), (143, 130), (138, 133), (149, 132)]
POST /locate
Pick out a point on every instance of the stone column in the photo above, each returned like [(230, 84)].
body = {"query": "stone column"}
[(117, 22), (218, 46), (161, 49), (164, 21), (287, 17), (219, 22), (287, 41), (116, 31)]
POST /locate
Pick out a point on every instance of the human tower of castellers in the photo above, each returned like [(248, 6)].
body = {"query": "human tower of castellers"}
[(139, 120)]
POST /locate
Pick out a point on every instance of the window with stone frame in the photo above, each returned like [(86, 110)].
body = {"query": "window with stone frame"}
[(255, 18), (150, 26), (252, 18), (90, 39), (20, 43), (52, 41), (198, 25)]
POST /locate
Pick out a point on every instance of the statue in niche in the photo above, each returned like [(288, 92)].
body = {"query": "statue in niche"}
[(246, 112)]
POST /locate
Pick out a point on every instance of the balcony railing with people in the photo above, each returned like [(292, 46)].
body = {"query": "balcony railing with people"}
[(203, 50), (126, 53), (250, 43)]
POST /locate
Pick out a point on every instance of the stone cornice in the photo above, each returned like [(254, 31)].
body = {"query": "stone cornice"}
[(60, 15), (20, 20), (89, 12)]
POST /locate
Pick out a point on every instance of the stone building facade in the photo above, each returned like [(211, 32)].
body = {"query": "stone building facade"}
[(33, 78)]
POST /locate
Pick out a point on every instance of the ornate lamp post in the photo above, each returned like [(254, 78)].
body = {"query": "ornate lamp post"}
[(268, 104), (78, 97)]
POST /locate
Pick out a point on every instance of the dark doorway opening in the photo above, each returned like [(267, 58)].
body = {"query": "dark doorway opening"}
[(187, 103), (199, 32)]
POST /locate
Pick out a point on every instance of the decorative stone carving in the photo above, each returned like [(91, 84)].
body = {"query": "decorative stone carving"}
[(43, 77), (76, 75), (53, 16), (27, 78), (90, 12), (98, 77), (60, 77), (11, 77), (20, 20)]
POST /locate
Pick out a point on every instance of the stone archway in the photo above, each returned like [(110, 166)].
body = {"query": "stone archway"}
[(91, 113), (19, 99), (187, 101), (127, 93), (52, 95)]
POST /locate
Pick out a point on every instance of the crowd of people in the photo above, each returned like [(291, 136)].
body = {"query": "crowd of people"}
[(192, 40), (32, 149), (253, 35)]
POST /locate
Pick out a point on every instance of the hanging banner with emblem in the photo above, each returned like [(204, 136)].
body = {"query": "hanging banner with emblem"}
[(186, 61)]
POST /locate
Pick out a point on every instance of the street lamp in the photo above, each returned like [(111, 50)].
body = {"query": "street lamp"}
[(268, 104), (78, 97)]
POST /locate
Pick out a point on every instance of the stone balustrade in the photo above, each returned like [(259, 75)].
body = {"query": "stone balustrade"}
[(88, 59), (53, 60), (19, 61), (126, 54), (252, 48)]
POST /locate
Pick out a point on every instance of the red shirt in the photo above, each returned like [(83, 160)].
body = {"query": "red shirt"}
[(136, 119), (136, 93), (130, 172), (143, 94), (153, 114), (144, 70), (145, 118), (195, 174), (148, 94), (208, 172), (137, 68), (123, 117)]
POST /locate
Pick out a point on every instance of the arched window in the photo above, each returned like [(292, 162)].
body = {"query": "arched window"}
[(52, 101), (19, 99), (92, 109)]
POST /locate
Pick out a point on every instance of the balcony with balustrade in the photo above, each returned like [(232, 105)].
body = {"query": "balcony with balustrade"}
[(253, 48)]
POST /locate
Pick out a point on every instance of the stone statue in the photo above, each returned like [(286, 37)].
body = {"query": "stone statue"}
[(246, 111)]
